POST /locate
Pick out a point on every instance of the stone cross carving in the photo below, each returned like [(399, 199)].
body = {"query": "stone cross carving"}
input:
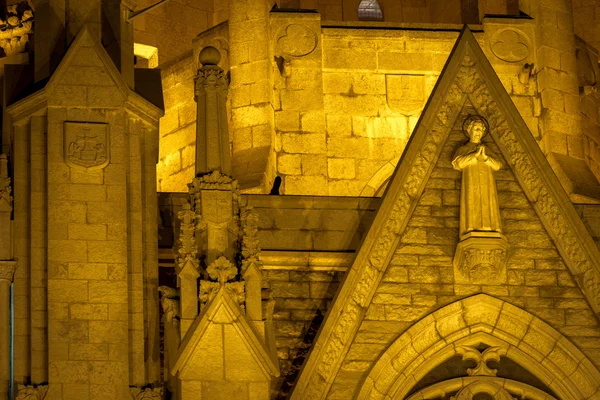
[(478, 197), (481, 253)]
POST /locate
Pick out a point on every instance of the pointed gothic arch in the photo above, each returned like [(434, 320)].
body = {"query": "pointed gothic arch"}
[(447, 332)]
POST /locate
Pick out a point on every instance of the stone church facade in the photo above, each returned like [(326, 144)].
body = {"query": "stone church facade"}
[(301, 199)]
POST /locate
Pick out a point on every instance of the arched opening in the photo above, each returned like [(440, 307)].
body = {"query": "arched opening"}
[(485, 332), (370, 10)]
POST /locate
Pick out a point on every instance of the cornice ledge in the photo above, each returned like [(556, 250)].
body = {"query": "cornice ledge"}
[(28, 106), (142, 107)]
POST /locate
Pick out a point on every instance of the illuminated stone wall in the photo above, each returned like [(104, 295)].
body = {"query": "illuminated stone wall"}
[(172, 26), (176, 159)]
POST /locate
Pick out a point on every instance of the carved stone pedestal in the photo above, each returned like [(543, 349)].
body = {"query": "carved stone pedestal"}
[(480, 258)]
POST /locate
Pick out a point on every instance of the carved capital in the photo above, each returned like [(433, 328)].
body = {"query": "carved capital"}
[(31, 392), (481, 258), (7, 270), (211, 78), (214, 180), (15, 30)]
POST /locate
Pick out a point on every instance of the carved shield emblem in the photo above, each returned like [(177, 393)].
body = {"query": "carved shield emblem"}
[(86, 145), (405, 93)]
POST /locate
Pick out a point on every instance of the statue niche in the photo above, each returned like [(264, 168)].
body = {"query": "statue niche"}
[(482, 251)]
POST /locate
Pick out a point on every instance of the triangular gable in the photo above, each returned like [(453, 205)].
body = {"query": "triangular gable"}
[(209, 341), (467, 75), (86, 63)]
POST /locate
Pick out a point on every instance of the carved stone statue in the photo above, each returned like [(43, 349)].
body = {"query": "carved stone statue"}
[(478, 197), (481, 254)]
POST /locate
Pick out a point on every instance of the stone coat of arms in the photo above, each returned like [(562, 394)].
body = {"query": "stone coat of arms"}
[(86, 145)]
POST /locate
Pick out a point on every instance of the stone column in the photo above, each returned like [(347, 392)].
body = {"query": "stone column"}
[(7, 269), (212, 134)]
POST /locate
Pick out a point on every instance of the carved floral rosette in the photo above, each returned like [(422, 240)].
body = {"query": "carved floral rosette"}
[(146, 393), (481, 258), (31, 392), (223, 272)]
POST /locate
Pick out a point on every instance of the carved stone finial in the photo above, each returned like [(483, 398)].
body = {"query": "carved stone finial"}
[(31, 392), (209, 56), (222, 270)]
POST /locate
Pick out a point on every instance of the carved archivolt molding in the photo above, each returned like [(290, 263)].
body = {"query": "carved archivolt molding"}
[(508, 331), (463, 79)]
